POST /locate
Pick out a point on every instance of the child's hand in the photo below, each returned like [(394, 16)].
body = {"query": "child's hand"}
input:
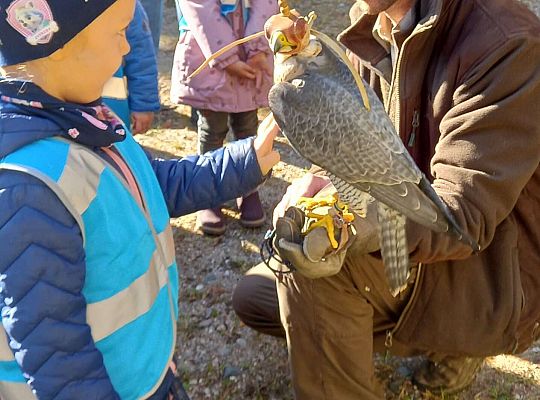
[(241, 70), (141, 121), (266, 133), (259, 62)]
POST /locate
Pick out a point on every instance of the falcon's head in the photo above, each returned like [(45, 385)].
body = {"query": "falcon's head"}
[(300, 50), (287, 34)]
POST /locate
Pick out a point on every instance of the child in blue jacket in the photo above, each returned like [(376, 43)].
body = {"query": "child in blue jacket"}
[(132, 93), (88, 276)]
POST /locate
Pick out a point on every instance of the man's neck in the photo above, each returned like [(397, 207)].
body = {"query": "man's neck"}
[(399, 9)]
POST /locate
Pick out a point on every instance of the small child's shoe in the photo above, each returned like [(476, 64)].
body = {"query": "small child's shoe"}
[(251, 212), (211, 221)]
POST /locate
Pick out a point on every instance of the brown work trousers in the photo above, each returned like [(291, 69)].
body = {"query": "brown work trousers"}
[(332, 325)]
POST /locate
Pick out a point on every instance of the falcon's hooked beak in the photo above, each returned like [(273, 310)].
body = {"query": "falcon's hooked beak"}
[(280, 44)]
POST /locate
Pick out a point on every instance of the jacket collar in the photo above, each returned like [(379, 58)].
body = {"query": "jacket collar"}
[(358, 37)]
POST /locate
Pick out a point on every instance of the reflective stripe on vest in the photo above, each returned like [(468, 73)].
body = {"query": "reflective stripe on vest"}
[(131, 278)]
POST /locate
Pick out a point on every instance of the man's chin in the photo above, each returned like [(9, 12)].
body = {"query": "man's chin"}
[(374, 7)]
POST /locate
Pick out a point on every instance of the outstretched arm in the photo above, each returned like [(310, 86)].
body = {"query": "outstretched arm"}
[(488, 150), (199, 182)]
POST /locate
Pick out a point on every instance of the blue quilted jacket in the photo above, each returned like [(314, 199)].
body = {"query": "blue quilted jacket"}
[(140, 64), (49, 333), (139, 69)]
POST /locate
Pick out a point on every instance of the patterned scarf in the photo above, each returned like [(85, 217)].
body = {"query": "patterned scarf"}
[(93, 124)]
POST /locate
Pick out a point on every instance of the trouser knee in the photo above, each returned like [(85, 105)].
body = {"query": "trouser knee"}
[(256, 304)]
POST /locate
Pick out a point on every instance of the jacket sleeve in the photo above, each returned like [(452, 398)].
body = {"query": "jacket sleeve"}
[(488, 150), (42, 271), (141, 65), (200, 182), (210, 29), (259, 12)]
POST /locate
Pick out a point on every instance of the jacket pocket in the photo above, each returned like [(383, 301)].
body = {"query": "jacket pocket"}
[(187, 58)]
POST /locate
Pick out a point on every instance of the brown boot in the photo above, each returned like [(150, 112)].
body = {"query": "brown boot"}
[(211, 221), (446, 374), (251, 211)]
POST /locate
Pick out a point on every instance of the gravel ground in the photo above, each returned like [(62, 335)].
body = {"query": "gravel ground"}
[(219, 357)]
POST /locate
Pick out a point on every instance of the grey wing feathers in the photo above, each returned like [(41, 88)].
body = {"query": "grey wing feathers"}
[(325, 129), (454, 227), (410, 201)]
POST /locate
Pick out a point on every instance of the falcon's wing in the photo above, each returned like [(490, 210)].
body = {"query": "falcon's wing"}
[(324, 120)]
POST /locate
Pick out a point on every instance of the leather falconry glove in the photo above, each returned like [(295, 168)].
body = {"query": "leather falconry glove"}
[(314, 235)]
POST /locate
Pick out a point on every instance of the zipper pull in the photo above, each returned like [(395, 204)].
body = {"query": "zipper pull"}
[(388, 341), (415, 125)]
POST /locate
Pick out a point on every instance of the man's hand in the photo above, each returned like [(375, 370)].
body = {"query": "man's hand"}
[(312, 255), (261, 66), (241, 70), (307, 186), (141, 121), (263, 144)]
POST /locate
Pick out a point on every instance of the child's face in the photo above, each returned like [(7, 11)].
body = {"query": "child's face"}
[(92, 57)]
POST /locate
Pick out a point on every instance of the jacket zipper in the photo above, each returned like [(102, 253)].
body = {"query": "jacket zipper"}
[(415, 125), (394, 88)]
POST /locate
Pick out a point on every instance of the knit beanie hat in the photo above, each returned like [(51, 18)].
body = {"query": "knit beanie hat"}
[(32, 29)]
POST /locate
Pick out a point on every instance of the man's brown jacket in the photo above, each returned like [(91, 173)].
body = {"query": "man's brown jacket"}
[(465, 95)]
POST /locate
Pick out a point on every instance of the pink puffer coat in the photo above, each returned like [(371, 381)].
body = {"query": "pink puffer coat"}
[(208, 27)]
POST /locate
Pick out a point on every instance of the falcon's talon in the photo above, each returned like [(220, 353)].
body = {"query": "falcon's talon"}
[(327, 222), (337, 215)]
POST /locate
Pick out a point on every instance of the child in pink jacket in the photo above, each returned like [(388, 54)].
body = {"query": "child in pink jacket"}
[(229, 92)]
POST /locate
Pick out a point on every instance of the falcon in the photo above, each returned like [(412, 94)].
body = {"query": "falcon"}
[(334, 120)]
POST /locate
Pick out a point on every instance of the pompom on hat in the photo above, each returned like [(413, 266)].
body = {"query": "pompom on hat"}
[(32, 29)]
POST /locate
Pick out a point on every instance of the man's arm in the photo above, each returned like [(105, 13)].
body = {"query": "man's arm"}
[(488, 149)]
